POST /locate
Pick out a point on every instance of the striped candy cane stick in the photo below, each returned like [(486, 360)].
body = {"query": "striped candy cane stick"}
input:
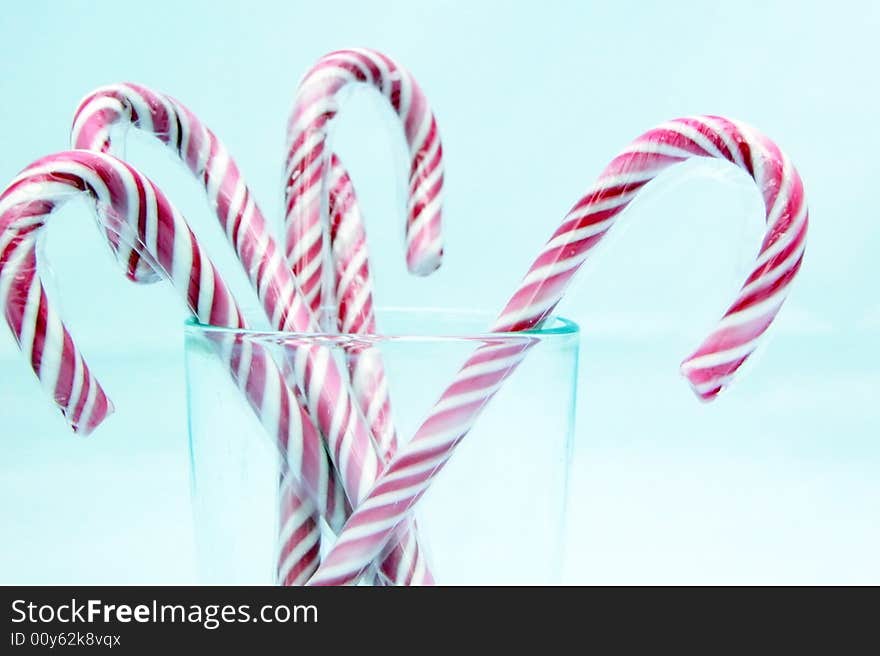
[(324, 392), (134, 209), (126, 104), (355, 313), (709, 368), (315, 106)]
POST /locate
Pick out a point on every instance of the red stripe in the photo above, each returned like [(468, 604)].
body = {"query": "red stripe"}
[(39, 339), (195, 280)]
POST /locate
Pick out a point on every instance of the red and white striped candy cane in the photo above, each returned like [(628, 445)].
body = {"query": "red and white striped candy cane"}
[(708, 369), (131, 207), (324, 392), (308, 158), (210, 162), (315, 106), (355, 313), (126, 104)]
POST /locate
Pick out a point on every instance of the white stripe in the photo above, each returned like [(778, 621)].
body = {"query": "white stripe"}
[(89, 405), (151, 228), (206, 288), (181, 257)]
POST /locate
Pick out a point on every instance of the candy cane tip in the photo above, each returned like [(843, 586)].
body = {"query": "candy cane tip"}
[(706, 389), (424, 264)]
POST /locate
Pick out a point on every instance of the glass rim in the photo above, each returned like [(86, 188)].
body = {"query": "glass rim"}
[(554, 327)]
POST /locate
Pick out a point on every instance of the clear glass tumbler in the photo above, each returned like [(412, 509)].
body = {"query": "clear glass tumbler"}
[(493, 515)]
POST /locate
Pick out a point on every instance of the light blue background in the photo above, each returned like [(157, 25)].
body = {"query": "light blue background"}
[(776, 482)]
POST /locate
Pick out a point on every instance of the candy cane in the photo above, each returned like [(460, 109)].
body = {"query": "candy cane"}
[(314, 108), (709, 368), (139, 214), (323, 390), (355, 313), (241, 220)]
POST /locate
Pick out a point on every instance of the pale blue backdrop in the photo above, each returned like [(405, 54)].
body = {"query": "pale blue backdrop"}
[(776, 482)]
